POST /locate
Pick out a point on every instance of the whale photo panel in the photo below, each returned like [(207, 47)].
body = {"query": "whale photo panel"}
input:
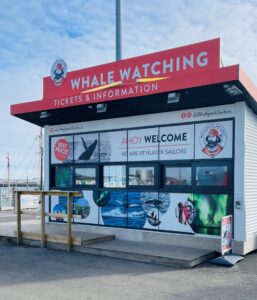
[(86, 148)]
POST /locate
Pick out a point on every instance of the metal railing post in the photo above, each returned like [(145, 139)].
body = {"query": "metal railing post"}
[(69, 214), (18, 210), (43, 226)]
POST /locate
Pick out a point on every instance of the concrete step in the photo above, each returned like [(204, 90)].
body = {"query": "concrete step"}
[(57, 241), (150, 253)]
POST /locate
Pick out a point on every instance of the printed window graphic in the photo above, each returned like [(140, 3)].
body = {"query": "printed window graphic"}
[(191, 196), (143, 144), (114, 176), (213, 140), (113, 146), (61, 149), (86, 148), (85, 176), (141, 176), (176, 142), (210, 208), (114, 210), (177, 176)]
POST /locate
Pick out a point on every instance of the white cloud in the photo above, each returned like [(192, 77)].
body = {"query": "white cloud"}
[(34, 33)]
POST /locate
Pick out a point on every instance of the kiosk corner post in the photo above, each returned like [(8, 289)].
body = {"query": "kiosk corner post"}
[(69, 208), (18, 211), (43, 233)]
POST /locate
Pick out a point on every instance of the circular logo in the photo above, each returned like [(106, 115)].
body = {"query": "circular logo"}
[(61, 149), (213, 138), (58, 72)]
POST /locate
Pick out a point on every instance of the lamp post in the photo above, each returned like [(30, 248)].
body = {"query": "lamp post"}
[(118, 30)]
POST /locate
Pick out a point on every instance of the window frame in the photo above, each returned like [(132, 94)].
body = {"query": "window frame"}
[(53, 176), (175, 188), (101, 180), (142, 165), (213, 189), (88, 166)]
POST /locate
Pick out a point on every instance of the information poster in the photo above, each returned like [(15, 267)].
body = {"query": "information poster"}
[(61, 149), (226, 234), (86, 148), (177, 142), (214, 140), (113, 146), (143, 144)]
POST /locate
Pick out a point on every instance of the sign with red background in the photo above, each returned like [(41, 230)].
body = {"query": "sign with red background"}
[(159, 72)]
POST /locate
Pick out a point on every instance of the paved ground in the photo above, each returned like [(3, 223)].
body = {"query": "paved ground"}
[(34, 274), (28, 273)]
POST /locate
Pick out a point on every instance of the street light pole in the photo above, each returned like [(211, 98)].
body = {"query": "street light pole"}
[(119, 29)]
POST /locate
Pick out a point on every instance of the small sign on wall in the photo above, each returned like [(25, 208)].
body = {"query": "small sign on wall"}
[(226, 234)]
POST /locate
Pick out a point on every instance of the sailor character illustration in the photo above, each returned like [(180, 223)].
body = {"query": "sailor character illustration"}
[(213, 147), (58, 72)]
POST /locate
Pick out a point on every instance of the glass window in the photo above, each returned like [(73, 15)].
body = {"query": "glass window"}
[(85, 176), (212, 176), (63, 177), (141, 176), (177, 176), (114, 176)]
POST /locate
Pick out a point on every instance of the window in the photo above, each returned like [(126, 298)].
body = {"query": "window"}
[(141, 176), (85, 176), (177, 175), (114, 176), (63, 177), (212, 176)]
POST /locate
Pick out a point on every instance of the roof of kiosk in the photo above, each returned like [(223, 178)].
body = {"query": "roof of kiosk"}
[(175, 79)]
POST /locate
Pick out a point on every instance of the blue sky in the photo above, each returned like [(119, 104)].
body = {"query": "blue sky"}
[(34, 33)]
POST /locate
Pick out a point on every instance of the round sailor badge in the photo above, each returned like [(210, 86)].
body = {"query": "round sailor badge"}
[(213, 138), (58, 72)]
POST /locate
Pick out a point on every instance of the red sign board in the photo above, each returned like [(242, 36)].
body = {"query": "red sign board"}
[(133, 77), (61, 149), (159, 72)]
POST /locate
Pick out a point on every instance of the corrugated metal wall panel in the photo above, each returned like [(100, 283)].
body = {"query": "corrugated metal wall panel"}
[(251, 172)]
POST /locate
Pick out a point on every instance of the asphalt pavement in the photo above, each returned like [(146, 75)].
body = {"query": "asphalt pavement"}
[(35, 273)]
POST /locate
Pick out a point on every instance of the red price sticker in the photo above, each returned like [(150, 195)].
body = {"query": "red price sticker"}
[(61, 149)]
